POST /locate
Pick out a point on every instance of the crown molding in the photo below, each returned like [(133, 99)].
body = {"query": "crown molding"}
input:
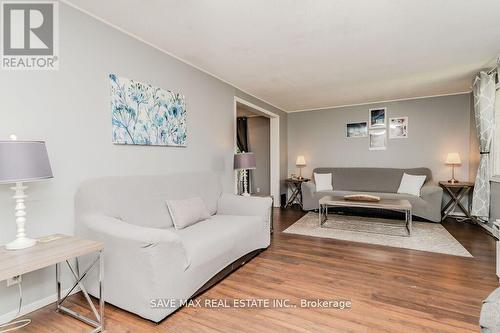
[(378, 102)]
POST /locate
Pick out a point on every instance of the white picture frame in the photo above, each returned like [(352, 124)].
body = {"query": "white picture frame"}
[(378, 139), (356, 130), (377, 117), (398, 128)]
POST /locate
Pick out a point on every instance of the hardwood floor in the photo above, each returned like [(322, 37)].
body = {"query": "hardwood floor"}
[(391, 289)]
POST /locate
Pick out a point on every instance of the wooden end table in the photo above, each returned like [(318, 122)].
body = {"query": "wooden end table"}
[(55, 252), (457, 191), (295, 184)]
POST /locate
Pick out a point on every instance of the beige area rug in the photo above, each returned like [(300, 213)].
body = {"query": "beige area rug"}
[(426, 236)]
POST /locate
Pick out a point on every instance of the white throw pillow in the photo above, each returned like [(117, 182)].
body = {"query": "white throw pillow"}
[(187, 212), (323, 181), (411, 184)]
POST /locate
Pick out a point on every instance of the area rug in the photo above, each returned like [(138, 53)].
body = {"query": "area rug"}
[(426, 236)]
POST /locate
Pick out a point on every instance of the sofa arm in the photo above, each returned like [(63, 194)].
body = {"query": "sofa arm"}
[(123, 237), (140, 263), (431, 191), (231, 204), (433, 196), (308, 187), (309, 201)]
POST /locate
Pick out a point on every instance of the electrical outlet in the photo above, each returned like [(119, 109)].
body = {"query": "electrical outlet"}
[(13, 281), (258, 189)]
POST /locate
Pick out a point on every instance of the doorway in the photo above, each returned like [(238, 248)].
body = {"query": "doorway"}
[(263, 141)]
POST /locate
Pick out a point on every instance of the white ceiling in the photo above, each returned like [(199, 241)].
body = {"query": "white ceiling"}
[(320, 53)]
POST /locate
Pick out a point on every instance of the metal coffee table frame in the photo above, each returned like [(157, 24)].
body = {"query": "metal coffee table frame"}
[(324, 204)]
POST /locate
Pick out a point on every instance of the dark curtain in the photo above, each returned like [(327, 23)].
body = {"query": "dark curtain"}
[(242, 134), (242, 142)]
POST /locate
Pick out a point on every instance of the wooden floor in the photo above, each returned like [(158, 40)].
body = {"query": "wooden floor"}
[(391, 289)]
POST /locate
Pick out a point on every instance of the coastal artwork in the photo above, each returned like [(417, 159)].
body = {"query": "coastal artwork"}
[(377, 118), (398, 128), (146, 115), (378, 140), (357, 130)]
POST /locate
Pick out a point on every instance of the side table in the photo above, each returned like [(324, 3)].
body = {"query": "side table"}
[(61, 249), (457, 192), (295, 184)]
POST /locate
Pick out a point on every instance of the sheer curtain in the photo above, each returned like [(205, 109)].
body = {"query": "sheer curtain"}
[(484, 110)]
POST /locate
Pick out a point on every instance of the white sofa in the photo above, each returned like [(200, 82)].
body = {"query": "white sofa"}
[(145, 257)]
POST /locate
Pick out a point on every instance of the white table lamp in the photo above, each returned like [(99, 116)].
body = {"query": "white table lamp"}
[(453, 159), (244, 161), (300, 162), (22, 161)]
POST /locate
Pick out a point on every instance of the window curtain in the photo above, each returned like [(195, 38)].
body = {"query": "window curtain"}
[(242, 145), (484, 111), (242, 134)]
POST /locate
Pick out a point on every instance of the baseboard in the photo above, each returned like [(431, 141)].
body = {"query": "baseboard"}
[(38, 304)]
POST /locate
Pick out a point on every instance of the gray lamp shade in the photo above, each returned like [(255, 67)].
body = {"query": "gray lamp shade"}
[(244, 161), (22, 161)]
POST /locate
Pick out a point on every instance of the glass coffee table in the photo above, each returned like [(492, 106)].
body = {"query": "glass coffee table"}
[(399, 205)]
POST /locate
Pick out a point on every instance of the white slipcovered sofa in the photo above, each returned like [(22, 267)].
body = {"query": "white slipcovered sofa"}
[(145, 257)]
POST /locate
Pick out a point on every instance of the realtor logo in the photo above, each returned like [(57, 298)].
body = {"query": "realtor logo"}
[(30, 33)]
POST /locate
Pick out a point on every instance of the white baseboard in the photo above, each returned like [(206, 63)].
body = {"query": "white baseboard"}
[(38, 304)]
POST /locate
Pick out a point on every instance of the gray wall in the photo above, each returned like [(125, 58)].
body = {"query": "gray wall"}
[(70, 110), (437, 126), (258, 143)]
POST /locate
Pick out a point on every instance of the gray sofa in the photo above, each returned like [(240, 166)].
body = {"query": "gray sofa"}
[(383, 182), (145, 257)]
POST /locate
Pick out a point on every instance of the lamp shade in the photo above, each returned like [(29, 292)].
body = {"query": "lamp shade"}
[(244, 161), (453, 158), (22, 161), (301, 161)]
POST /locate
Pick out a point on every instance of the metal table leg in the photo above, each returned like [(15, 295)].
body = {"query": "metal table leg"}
[(98, 324), (323, 214), (409, 221)]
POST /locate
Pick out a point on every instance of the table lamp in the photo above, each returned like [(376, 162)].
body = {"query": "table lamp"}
[(22, 161), (244, 161), (453, 159), (300, 162)]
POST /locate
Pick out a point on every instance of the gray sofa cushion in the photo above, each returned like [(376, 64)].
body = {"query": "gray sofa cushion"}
[(370, 179), (210, 242)]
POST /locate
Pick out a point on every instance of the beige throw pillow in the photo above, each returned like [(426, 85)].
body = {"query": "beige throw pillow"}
[(187, 212)]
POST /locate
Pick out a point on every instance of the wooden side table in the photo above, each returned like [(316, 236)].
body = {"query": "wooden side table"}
[(295, 185), (457, 192), (55, 252)]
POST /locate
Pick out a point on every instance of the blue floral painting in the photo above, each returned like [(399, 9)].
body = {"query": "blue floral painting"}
[(146, 115)]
